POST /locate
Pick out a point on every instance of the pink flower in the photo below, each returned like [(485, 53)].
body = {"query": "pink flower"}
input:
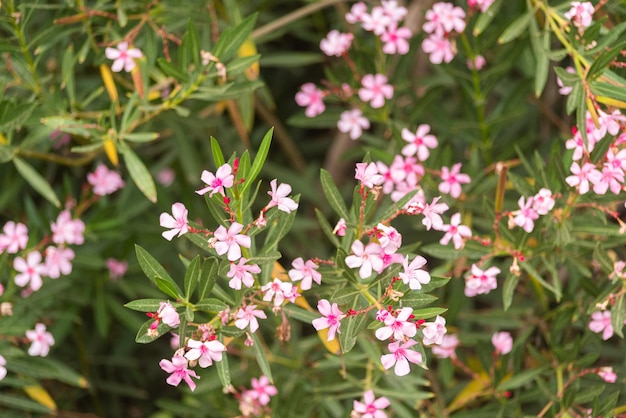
[(578, 145), (168, 315), (483, 5), (357, 12), (455, 232), (336, 43), (242, 273), (166, 176), (399, 326), (400, 357), (14, 238), (67, 230), (353, 122), (278, 290), (178, 222), (607, 374), (58, 261), (377, 21), (610, 178), (179, 371), (447, 348), (419, 142), (40, 339), (601, 322), (503, 343), (206, 352), (434, 331), (452, 180), (526, 215), (477, 63), (395, 12), (444, 18), (174, 340), (432, 213), (117, 268), (216, 183), (331, 319), (366, 257), (389, 238), (371, 407), (248, 316), (543, 202), (406, 169), (3, 370), (105, 181), (375, 90), (368, 175), (340, 228), (311, 97), (581, 176), (439, 48), (30, 270), (481, 282), (396, 40), (123, 57), (262, 390), (413, 275), (580, 13), (230, 241), (280, 199), (305, 271)]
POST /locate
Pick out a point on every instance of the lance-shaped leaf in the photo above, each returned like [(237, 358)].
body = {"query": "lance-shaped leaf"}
[(156, 273), (140, 174), (36, 181)]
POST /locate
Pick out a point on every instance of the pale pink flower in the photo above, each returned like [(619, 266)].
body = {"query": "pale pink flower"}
[(392, 9), (481, 282), (58, 261), (331, 318), (123, 58), (419, 142), (563, 89), (438, 48), (452, 180), (581, 176), (503, 343), (166, 176), (611, 178), (400, 357), (447, 348), (396, 40), (388, 183), (277, 290), (30, 270), (601, 322), (105, 181), (368, 175), (356, 13), (617, 159), (455, 232), (206, 352), (483, 5), (216, 183), (168, 315), (434, 331), (444, 18), (543, 202), (306, 272), (177, 221), (3, 370), (371, 407), (336, 43), (406, 169), (41, 340), (580, 13), (366, 257), (389, 238), (413, 275), (117, 268), (174, 340), (262, 390), (477, 63), (280, 197), (242, 273), (377, 21), (67, 230), (230, 241), (578, 145), (14, 237), (311, 97), (248, 316), (353, 122), (607, 374), (431, 212), (399, 326), (525, 217), (610, 123), (340, 228), (389, 259), (179, 371), (375, 90)]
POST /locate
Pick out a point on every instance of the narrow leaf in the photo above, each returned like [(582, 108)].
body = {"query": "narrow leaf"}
[(36, 181), (192, 275), (140, 174), (210, 305), (332, 194), (259, 160), (261, 357)]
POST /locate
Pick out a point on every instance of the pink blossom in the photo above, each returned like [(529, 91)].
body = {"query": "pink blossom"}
[(483, 5), (168, 315), (452, 180), (177, 221), (279, 197), (305, 271), (439, 48), (67, 230), (392, 9), (580, 13), (611, 178), (617, 159), (206, 352), (476, 63), (262, 390), (610, 123), (607, 374), (398, 326), (447, 348), (3, 370), (166, 176), (434, 331), (396, 40), (340, 228), (400, 357), (117, 268), (230, 241), (179, 371), (368, 175), (581, 176), (353, 122), (389, 238), (279, 291), (377, 21), (174, 340), (375, 90), (311, 97), (105, 181), (248, 316), (336, 43), (444, 18), (242, 273), (526, 215), (30, 270), (563, 89), (58, 261), (503, 343), (41, 340), (578, 145), (331, 318), (371, 407), (123, 58), (431, 212), (419, 142), (14, 237), (356, 13), (366, 257), (481, 282), (601, 322), (455, 232), (413, 275), (216, 183), (543, 202)]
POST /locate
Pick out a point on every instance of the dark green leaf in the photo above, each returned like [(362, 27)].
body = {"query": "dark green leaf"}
[(210, 305), (508, 290), (192, 276), (261, 357), (259, 160), (233, 37), (140, 174), (332, 194), (36, 181), (145, 305), (172, 71)]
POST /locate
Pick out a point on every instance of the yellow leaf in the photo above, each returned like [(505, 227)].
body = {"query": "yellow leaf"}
[(611, 102), (41, 396), (247, 49), (109, 83), (138, 81), (111, 150), (3, 139), (474, 389), (594, 114)]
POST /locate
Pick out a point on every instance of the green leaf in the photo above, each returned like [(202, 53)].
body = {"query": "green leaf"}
[(169, 287), (484, 19), (521, 378), (145, 305), (192, 276), (143, 337), (208, 276), (350, 328), (435, 283), (223, 371), (427, 313), (300, 314), (191, 44), (534, 275), (154, 270), (280, 228), (36, 181), (23, 404), (332, 194), (233, 37), (328, 230), (601, 62), (508, 290), (13, 115), (618, 313), (515, 29), (261, 357), (140, 174), (259, 160), (417, 300), (542, 68), (67, 74), (210, 305), (216, 151), (141, 137), (7, 153), (172, 71), (46, 368)]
